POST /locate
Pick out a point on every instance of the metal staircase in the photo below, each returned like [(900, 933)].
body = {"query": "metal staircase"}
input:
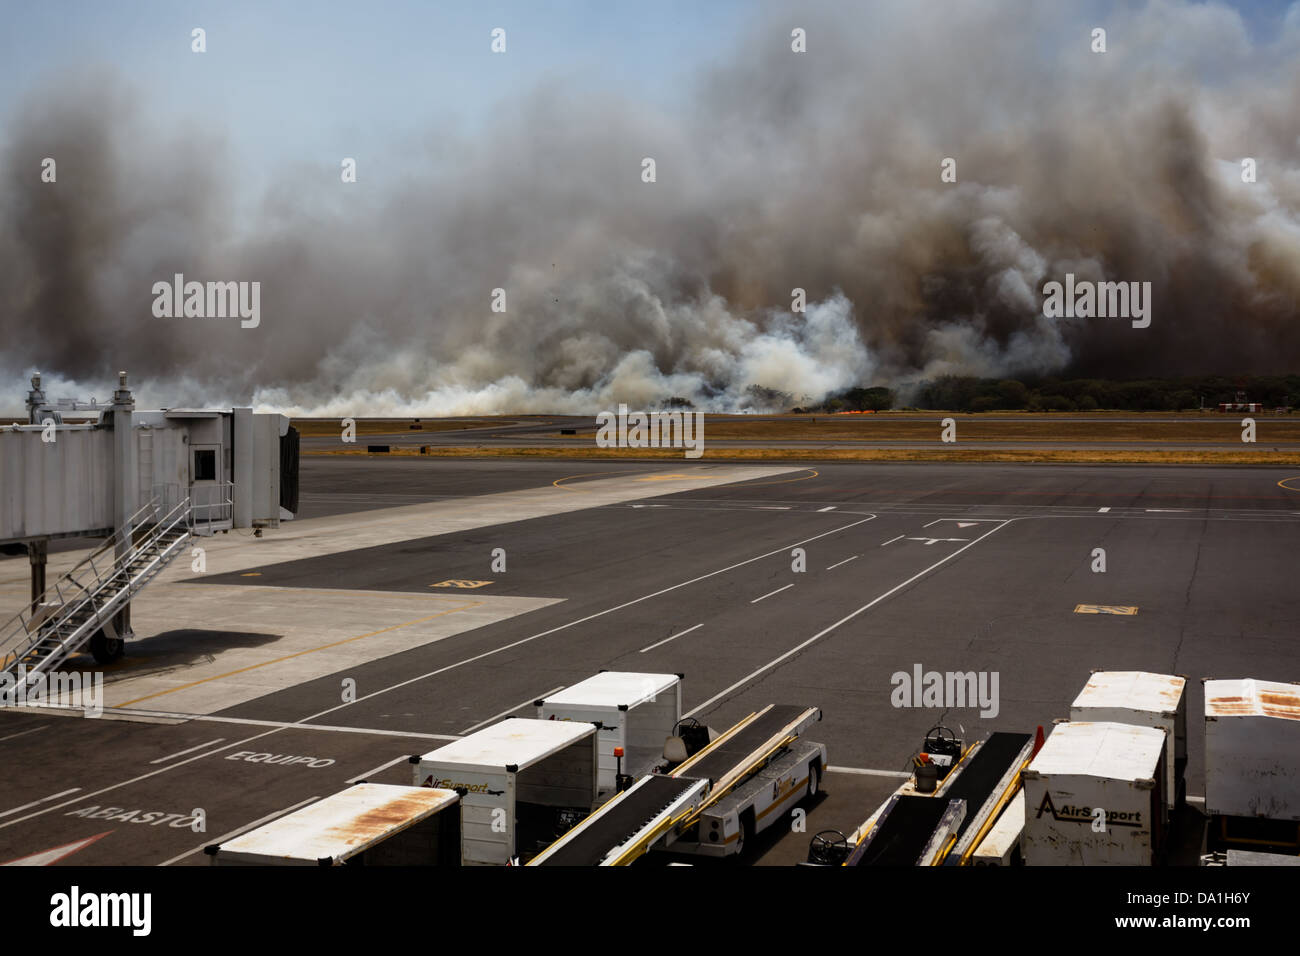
[(82, 601)]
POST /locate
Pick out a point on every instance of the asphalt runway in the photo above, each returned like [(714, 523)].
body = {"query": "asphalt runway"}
[(948, 567)]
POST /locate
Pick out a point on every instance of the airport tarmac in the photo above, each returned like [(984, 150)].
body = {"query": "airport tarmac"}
[(387, 585)]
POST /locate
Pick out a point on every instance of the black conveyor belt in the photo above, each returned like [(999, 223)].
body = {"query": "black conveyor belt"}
[(718, 762), (602, 832), (981, 773), (899, 839)]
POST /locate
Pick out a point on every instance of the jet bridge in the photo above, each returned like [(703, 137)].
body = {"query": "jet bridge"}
[(144, 481)]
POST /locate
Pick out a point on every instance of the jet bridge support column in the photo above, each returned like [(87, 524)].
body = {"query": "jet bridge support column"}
[(36, 554), (109, 644)]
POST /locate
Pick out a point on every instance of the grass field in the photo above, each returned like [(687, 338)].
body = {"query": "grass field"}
[(1047, 455)]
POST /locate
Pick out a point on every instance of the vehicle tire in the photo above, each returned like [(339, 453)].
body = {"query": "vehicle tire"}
[(107, 649), (746, 835), (814, 779)]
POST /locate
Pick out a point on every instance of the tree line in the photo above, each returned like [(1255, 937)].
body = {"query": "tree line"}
[(962, 393)]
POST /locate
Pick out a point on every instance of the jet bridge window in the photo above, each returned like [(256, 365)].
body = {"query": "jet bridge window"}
[(205, 464)]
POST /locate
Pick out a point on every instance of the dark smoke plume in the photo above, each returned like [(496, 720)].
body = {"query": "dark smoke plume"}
[(818, 170)]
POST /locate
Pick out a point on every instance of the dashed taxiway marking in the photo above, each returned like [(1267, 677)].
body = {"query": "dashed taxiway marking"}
[(770, 593), (37, 803), (892, 540), (510, 710), (845, 561), (673, 638), (189, 750), (277, 727), (591, 617), (21, 732), (827, 508), (1102, 511), (776, 661)]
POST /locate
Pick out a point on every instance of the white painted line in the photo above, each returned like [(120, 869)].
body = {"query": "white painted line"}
[(277, 724), (892, 774), (770, 593), (935, 521), (845, 561), (510, 710), (246, 827), (891, 540), (827, 508), (844, 620), (1102, 510), (383, 766), (673, 638), (772, 508), (591, 617), (276, 727), (1167, 511), (189, 751), (35, 803), (21, 732)]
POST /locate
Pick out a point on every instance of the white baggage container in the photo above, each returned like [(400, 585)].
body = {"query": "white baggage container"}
[(372, 824), (1087, 767), (1147, 700), (525, 782), (635, 711), (1252, 749)]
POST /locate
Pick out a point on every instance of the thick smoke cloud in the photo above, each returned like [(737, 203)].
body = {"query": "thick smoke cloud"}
[(817, 170)]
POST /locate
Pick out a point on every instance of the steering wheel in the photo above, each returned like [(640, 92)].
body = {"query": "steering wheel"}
[(828, 847)]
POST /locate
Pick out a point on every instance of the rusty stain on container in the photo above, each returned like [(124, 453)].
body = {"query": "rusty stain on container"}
[(1270, 704), (399, 810)]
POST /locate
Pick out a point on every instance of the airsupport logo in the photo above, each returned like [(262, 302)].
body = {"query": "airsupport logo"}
[(1072, 814), (457, 785)]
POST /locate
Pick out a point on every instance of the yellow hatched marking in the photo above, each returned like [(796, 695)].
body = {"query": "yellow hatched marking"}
[(1105, 609)]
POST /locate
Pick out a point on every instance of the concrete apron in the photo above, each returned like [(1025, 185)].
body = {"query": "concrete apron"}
[(222, 645)]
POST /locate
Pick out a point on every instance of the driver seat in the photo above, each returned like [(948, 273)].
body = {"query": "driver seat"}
[(675, 750)]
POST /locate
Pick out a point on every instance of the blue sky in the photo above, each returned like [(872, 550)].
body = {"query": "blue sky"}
[(315, 80), (294, 81)]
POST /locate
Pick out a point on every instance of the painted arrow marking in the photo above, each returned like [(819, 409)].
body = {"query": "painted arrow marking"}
[(57, 853), (930, 541)]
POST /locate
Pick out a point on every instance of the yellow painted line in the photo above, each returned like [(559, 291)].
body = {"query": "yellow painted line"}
[(592, 474), (460, 584), (1105, 609), (783, 481), (252, 574), (1283, 483), (311, 650)]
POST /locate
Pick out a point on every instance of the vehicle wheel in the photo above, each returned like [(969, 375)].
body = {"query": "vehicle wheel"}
[(814, 780), (107, 649), (746, 834)]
